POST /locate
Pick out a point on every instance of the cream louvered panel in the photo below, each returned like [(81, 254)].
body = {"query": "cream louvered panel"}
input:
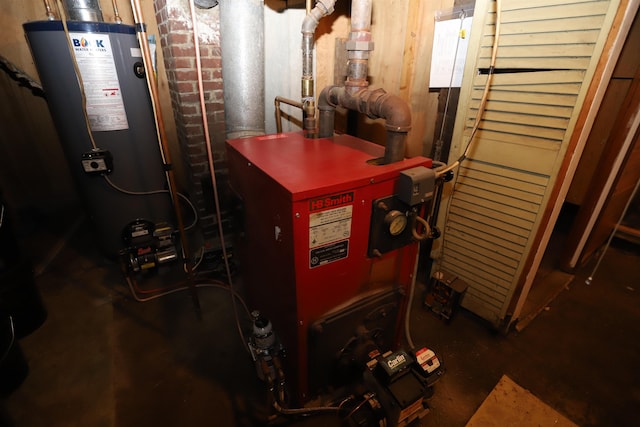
[(545, 35), (488, 226), (545, 57)]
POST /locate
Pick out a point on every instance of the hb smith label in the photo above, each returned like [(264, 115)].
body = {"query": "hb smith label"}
[(330, 201)]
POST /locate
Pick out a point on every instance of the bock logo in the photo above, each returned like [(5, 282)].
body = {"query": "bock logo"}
[(396, 361), (87, 44), (331, 201)]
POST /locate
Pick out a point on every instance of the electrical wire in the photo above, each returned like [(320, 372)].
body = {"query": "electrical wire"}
[(476, 125), (589, 279), (76, 68), (485, 94), (153, 192), (13, 339), (453, 70), (212, 171), (303, 411), (360, 405), (412, 288), (162, 292)]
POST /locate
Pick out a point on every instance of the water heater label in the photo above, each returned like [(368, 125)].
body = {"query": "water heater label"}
[(94, 56)]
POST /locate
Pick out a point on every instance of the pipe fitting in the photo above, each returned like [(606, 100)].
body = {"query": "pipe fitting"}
[(311, 20), (375, 104)]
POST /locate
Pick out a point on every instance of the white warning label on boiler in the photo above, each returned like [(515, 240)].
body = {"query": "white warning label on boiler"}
[(330, 225), (94, 56)]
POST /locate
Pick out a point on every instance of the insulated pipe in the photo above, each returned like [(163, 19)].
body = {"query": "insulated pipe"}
[(242, 41), (309, 25), (375, 104)]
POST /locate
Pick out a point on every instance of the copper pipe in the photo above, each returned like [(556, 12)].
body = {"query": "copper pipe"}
[(277, 102), (116, 16), (162, 140), (50, 15)]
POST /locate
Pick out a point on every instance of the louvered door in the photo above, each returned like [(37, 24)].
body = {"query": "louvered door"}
[(547, 53)]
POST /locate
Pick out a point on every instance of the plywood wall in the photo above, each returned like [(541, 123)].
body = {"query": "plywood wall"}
[(402, 31)]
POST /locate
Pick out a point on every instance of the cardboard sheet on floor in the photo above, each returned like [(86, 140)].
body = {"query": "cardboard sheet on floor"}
[(508, 404)]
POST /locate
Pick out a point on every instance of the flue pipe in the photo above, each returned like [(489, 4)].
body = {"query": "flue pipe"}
[(309, 25), (356, 96), (83, 10), (242, 41)]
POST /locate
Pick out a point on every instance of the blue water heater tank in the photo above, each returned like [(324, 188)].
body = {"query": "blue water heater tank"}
[(120, 114)]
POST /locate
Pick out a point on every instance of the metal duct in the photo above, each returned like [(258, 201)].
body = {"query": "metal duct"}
[(83, 10), (242, 41)]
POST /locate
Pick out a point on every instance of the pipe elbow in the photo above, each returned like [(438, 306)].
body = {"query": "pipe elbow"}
[(309, 24), (327, 100), (311, 20), (397, 114)]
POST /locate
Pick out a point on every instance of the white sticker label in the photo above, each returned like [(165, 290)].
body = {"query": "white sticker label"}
[(330, 226), (94, 56)]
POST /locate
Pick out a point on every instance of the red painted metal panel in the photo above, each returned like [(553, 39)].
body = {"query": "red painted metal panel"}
[(308, 205)]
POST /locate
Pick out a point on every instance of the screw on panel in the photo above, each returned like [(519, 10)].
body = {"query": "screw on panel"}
[(297, 214)]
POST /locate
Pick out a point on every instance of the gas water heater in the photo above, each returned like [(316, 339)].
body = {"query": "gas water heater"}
[(329, 246), (116, 101)]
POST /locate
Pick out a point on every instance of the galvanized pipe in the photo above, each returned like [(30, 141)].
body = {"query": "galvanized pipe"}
[(309, 25), (83, 10), (359, 45), (242, 41)]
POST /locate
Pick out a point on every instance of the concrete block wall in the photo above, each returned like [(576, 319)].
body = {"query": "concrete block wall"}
[(176, 41)]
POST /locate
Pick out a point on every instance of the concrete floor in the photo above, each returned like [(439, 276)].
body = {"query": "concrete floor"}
[(104, 359)]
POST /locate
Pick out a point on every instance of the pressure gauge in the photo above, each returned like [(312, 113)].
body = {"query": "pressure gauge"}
[(396, 221)]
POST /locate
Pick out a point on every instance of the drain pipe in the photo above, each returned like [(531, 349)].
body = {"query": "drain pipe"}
[(309, 25), (242, 41), (354, 95)]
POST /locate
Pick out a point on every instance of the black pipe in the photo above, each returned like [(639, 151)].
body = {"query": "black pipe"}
[(375, 104)]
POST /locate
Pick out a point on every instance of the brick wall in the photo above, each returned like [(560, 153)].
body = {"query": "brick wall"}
[(176, 40)]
